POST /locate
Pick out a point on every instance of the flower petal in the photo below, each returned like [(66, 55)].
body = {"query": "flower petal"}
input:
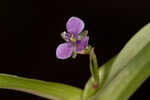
[(81, 44), (75, 25), (64, 50)]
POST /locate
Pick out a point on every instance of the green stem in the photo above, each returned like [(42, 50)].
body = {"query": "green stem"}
[(94, 66)]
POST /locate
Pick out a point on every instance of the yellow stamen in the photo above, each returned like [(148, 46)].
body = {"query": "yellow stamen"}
[(73, 39)]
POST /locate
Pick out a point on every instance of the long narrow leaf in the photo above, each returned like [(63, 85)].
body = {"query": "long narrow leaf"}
[(49, 90), (131, 49), (122, 86)]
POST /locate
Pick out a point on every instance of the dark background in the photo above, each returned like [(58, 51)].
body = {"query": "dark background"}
[(30, 32)]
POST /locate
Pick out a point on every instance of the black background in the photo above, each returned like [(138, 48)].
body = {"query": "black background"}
[(30, 32)]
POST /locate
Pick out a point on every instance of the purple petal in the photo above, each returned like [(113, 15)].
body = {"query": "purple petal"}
[(81, 44), (64, 50), (75, 25)]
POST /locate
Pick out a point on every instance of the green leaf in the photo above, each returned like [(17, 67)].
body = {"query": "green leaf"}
[(122, 76), (128, 79), (131, 49), (49, 90)]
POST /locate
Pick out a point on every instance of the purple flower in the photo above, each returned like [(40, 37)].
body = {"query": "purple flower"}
[(76, 40)]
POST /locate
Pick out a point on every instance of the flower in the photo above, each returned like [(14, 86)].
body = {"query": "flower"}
[(76, 39)]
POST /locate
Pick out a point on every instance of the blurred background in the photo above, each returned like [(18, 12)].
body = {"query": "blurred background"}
[(30, 32)]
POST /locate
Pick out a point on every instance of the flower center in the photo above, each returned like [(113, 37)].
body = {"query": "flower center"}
[(73, 39)]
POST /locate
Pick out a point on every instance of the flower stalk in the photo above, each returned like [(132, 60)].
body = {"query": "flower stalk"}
[(94, 67)]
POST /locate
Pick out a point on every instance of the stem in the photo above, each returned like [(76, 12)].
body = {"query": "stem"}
[(94, 66)]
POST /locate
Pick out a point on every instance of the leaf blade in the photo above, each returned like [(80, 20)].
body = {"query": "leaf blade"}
[(49, 90), (128, 80), (130, 50)]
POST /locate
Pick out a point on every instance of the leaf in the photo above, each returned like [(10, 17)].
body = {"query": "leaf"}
[(133, 49), (128, 79), (49, 90)]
